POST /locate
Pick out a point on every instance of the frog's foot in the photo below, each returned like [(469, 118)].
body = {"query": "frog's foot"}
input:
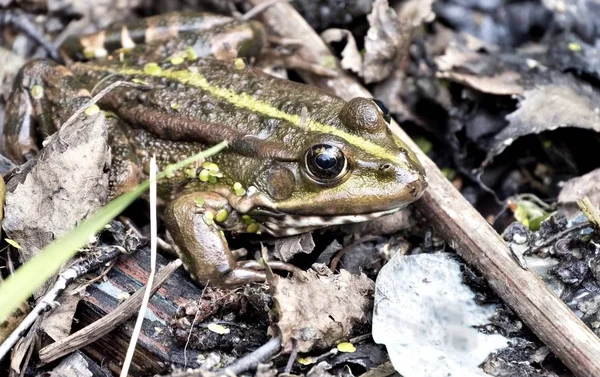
[(274, 265), (194, 221)]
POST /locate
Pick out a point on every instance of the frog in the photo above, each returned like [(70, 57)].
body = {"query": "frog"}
[(298, 159)]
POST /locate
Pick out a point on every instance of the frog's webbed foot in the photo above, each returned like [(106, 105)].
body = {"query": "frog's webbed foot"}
[(194, 222)]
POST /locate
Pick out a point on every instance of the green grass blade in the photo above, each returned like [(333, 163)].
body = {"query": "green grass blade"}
[(19, 286)]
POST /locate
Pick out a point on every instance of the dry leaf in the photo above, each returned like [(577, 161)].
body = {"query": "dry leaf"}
[(386, 40), (351, 59), (322, 310), (577, 188)]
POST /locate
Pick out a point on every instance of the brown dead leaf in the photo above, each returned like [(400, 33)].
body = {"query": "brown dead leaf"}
[(351, 59), (577, 188), (387, 38), (503, 84), (65, 182), (477, 71), (386, 42), (58, 324), (322, 310), (53, 193)]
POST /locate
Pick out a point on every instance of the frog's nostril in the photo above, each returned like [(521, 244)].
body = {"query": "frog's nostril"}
[(385, 168), (416, 187)]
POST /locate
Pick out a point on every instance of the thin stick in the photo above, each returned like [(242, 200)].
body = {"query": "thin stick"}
[(461, 225), (251, 360), (558, 236), (246, 363), (153, 237), (48, 302), (99, 96)]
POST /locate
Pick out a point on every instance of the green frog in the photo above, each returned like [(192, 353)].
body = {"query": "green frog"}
[(299, 158)]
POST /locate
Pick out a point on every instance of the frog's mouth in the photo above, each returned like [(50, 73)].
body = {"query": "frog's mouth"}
[(279, 224)]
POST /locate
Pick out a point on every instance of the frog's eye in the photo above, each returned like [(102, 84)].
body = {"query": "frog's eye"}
[(325, 163), (384, 109)]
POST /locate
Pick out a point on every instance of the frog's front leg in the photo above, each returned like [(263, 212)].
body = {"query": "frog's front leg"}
[(195, 222)]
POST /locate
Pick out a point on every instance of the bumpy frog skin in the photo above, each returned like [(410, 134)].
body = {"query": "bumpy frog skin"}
[(298, 159)]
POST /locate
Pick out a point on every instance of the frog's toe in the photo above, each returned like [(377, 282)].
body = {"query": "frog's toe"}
[(274, 265), (242, 276), (239, 253)]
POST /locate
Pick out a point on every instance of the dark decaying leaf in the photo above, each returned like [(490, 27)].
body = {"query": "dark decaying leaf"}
[(565, 102), (286, 248)]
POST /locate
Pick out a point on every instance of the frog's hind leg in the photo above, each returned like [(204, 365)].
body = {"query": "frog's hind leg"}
[(44, 96), (158, 38)]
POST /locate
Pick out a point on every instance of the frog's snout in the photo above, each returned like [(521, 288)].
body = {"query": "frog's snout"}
[(416, 187)]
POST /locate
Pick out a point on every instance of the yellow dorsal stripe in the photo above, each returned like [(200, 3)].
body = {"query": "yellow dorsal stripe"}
[(244, 100)]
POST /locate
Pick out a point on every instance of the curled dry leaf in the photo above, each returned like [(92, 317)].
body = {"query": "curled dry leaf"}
[(463, 66), (321, 310), (564, 102), (351, 59), (503, 84), (387, 38), (385, 43)]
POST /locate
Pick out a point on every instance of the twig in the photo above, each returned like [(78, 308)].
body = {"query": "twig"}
[(338, 255), (107, 323), (246, 363), (251, 360), (153, 237), (460, 224), (292, 358), (99, 96), (256, 10), (48, 302), (19, 20), (189, 337), (558, 236)]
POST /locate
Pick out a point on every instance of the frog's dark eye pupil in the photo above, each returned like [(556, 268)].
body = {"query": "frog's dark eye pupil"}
[(325, 163), (384, 109)]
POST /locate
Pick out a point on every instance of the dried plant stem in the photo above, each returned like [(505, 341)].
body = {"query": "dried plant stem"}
[(49, 301)]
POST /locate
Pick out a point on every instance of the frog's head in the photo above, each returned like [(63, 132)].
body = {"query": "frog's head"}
[(349, 169)]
